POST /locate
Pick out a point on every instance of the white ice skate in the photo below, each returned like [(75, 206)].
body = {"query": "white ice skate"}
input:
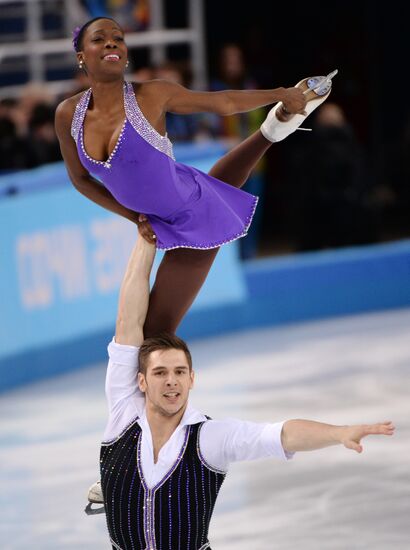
[(316, 89), (95, 496)]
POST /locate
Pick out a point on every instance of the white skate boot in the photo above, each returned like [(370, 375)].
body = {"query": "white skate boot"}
[(95, 496), (279, 123)]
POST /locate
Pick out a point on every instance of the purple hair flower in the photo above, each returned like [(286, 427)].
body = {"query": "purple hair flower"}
[(76, 33)]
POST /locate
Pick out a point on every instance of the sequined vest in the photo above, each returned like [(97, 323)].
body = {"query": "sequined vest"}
[(175, 513)]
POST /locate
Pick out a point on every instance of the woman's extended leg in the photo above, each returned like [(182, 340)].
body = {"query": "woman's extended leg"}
[(236, 165), (183, 271)]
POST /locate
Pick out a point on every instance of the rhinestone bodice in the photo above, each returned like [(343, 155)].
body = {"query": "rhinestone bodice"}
[(141, 170), (133, 115)]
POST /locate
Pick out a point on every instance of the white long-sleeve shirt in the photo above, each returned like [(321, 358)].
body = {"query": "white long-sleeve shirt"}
[(221, 441)]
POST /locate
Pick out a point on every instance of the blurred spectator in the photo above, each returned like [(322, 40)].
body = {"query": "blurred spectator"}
[(27, 136), (403, 180), (7, 105), (132, 15), (13, 148), (181, 127), (81, 83), (329, 185), (34, 93), (394, 192), (233, 75), (12, 109), (143, 73), (95, 8), (44, 147)]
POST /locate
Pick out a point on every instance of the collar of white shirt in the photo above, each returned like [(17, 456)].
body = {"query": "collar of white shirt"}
[(190, 416), (154, 472)]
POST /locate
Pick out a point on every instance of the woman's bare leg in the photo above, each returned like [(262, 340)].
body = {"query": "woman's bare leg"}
[(236, 165), (183, 271), (180, 276)]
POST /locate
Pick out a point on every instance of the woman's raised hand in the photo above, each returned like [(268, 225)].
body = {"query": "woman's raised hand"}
[(294, 101)]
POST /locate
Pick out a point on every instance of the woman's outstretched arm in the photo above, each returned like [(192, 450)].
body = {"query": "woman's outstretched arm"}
[(177, 99)]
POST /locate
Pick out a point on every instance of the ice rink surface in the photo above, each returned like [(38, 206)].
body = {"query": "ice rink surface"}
[(346, 370)]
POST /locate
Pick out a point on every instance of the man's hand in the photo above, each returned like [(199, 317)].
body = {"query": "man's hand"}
[(352, 435), (294, 101), (145, 229), (308, 435)]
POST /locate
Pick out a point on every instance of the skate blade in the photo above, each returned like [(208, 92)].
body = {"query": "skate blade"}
[(90, 511)]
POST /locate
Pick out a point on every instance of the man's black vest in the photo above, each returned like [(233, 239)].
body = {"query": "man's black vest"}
[(173, 515)]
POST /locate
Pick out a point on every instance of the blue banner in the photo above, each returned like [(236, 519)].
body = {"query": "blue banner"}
[(62, 259)]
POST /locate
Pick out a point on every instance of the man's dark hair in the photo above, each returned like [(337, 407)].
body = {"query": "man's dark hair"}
[(78, 39), (163, 341)]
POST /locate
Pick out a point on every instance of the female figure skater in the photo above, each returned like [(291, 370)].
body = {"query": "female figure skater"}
[(116, 131)]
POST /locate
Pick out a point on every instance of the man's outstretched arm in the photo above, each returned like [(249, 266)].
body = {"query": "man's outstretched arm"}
[(134, 295), (308, 435)]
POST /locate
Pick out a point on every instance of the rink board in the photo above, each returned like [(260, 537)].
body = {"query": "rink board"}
[(62, 259)]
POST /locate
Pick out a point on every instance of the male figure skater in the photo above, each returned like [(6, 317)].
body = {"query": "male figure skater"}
[(162, 461)]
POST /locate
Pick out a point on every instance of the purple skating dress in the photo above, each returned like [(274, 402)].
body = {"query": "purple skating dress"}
[(186, 207)]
